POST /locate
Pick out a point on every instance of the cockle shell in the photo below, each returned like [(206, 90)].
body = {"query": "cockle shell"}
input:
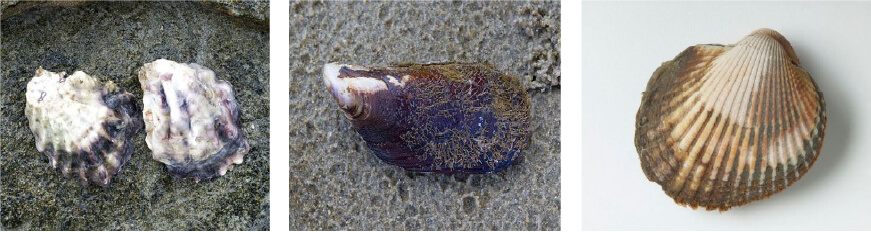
[(445, 118), (191, 119), (722, 126), (83, 126)]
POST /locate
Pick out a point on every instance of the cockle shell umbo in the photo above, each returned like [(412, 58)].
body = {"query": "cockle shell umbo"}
[(721, 126), (191, 119), (444, 118), (83, 126)]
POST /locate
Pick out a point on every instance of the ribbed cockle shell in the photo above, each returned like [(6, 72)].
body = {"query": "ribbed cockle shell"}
[(445, 118), (721, 126)]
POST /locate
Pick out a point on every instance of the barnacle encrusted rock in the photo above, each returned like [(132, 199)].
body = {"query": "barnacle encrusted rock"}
[(444, 118), (191, 119), (83, 126)]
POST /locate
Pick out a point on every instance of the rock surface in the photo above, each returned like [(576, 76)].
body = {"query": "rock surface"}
[(253, 9), (111, 41), (337, 183)]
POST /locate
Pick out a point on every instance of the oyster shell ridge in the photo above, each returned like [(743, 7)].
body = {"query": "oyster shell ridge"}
[(83, 126), (192, 120)]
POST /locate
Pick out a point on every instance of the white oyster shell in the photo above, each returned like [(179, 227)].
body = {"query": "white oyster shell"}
[(191, 119), (82, 126)]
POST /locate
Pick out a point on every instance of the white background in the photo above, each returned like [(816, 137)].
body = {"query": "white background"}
[(623, 43), (570, 108), (279, 109)]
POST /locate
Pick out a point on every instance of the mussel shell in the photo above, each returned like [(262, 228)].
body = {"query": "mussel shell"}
[(721, 126), (444, 118)]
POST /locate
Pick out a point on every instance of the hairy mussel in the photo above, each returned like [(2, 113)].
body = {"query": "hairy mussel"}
[(443, 118)]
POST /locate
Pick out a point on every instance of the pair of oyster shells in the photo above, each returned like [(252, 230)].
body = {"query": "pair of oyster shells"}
[(86, 128), (722, 126), (443, 118)]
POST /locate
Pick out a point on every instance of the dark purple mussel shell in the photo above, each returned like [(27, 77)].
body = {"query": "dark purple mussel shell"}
[(443, 118)]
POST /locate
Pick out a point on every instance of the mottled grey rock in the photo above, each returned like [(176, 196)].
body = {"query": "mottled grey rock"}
[(6, 3), (14, 7), (254, 9), (337, 183), (111, 40)]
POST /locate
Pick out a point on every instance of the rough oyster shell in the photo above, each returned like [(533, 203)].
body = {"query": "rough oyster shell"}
[(83, 126), (722, 126), (191, 119), (446, 118)]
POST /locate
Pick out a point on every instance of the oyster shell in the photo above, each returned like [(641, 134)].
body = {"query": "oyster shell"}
[(445, 118), (191, 119), (721, 126), (83, 126)]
